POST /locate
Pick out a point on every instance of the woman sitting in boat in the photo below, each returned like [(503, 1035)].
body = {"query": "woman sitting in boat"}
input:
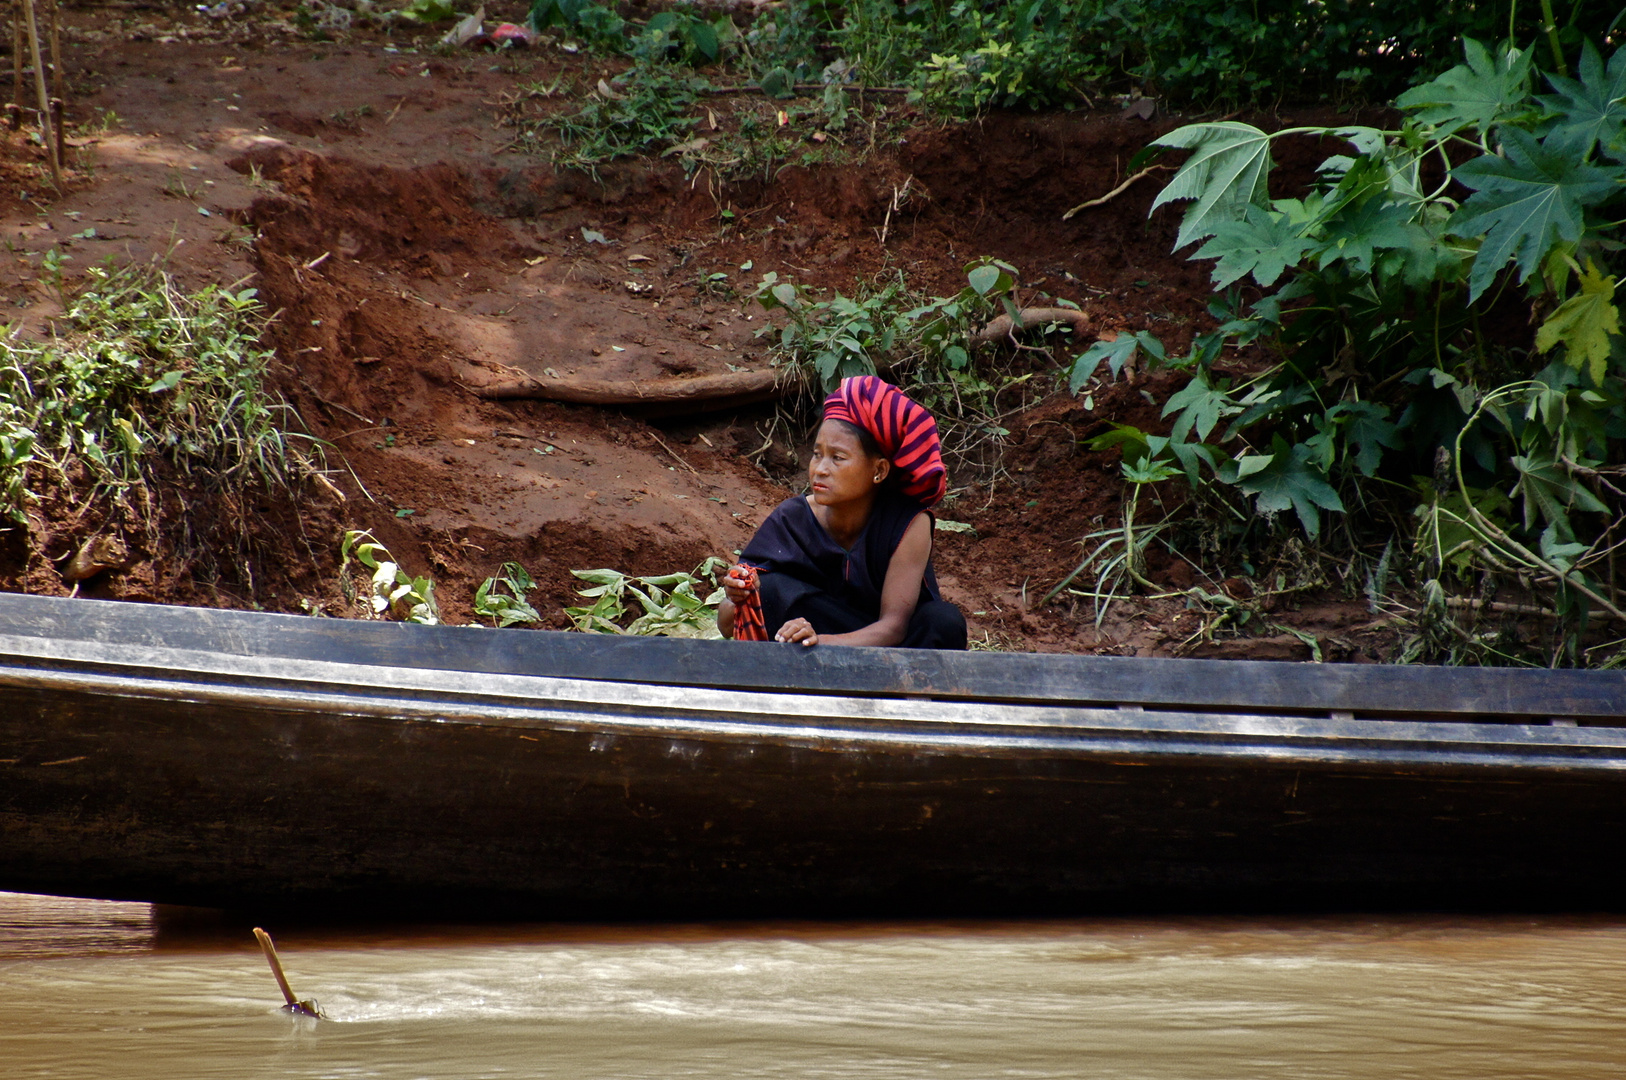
[(851, 563)]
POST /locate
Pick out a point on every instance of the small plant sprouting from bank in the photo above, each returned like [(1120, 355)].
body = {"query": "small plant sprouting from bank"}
[(662, 109), (390, 592), (928, 346), (670, 605), (502, 598), (141, 378)]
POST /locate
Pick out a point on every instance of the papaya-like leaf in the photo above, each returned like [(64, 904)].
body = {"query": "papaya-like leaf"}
[(1201, 406), (1129, 440), (1525, 203), (1584, 323), (1225, 174), (1485, 91), (1116, 353), (1264, 244), (1551, 491), (1592, 109), (1356, 236), (1367, 427), (1289, 479)]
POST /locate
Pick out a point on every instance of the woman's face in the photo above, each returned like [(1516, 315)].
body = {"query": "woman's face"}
[(840, 470)]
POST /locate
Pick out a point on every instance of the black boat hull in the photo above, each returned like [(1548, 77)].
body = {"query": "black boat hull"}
[(249, 777)]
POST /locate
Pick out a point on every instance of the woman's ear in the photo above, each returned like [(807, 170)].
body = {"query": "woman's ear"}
[(882, 467)]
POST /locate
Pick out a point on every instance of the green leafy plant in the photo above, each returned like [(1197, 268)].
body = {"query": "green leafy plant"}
[(427, 11), (142, 378), (391, 591), (650, 107), (671, 605), (964, 57), (924, 344), (502, 598), (836, 338)]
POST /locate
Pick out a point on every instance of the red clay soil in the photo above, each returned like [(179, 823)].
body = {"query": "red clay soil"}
[(415, 258)]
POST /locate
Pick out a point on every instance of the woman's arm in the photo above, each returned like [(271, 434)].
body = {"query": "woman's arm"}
[(899, 595)]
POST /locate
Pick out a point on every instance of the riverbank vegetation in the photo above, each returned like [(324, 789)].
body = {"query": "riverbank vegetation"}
[(1405, 395), (143, 392), (1396, 400)]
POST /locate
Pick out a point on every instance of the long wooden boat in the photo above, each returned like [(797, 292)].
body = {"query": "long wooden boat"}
[(332, 767)]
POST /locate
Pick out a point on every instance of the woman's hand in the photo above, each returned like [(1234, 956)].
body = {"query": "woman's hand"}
[(736, 585), (798, 630)]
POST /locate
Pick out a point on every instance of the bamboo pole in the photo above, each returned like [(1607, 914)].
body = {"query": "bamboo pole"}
[(45, 98), (61, 129), (17, 57), (59, 85)]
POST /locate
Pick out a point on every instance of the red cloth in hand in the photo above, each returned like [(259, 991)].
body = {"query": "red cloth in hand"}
[(748, 624)]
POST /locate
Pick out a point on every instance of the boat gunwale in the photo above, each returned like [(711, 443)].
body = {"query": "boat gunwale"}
[(336, 689), (1260, 687)]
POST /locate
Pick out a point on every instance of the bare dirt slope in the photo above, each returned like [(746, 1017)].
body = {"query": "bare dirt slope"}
[(417, 259)]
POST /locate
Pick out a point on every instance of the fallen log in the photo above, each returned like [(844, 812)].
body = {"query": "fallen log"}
[(666, 395), (1002, 327)]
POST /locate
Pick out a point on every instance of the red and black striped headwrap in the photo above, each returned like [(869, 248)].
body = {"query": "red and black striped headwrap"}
[(906, 432)]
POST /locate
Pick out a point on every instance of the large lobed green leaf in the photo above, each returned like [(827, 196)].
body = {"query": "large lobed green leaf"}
[(1590, 111), (1286, 477), (1526, 203), (1264, 244), (1226, 173), (1584, 323), (1485, 91)]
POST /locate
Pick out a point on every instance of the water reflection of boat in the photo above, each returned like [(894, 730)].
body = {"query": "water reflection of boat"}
[(239, 759)]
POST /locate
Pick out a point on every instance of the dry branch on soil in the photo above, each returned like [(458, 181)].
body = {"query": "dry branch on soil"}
[(733, 388)]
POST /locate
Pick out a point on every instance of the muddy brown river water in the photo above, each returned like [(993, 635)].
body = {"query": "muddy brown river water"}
[(103, 990)]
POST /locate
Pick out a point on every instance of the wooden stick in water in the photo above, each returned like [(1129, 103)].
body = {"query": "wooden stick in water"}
[(303, 1008)]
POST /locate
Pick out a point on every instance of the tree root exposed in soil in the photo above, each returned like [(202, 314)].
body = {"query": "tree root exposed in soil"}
[(1002, 327), (1114, 193), (654, 396)]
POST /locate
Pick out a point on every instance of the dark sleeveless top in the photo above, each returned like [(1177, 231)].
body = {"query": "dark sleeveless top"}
[(792, 542)]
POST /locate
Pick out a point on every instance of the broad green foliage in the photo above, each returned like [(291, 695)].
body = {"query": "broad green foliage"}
[(1527, 202), (671, 605), (1226, 173), (1586, 324), (1485, 91), (1287, 476), (1389, 306), (1593, 108)]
